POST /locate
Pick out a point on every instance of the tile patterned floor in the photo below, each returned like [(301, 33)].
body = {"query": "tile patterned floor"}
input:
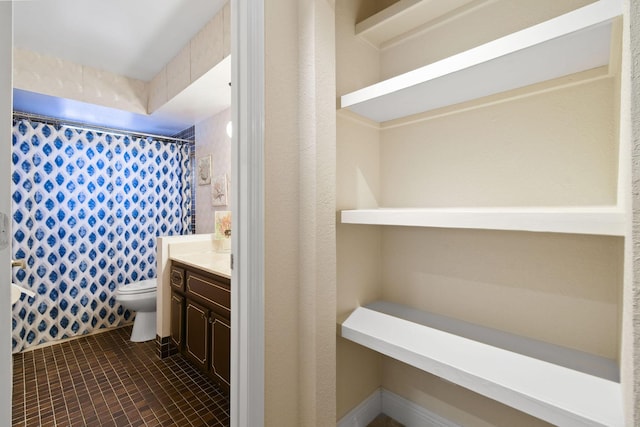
[(106, 380), (384, 421)]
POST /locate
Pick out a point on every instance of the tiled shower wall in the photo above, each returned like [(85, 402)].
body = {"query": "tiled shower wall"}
[(189, 135), (87, 208)]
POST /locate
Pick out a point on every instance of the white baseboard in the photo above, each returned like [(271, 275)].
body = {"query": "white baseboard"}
[(364, 413), (411, 414), (400, 409)]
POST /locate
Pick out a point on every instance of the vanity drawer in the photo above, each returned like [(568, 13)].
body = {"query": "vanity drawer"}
[(211, 290), (177, 278)]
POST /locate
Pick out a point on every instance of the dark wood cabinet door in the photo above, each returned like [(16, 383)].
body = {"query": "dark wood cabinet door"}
[(177, 278), (196, 333), (220, 366), (177, 320)]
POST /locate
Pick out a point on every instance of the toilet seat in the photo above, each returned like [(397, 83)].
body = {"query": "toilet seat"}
[(135, 288)]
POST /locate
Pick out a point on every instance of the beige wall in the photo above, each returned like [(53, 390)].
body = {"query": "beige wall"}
[(299, 213), (317, 186), (558, 288), (457, 404), (554, 148), (358, 251), (212, 139), (358, 169), (552, 144), (281, 218), (469, 30)]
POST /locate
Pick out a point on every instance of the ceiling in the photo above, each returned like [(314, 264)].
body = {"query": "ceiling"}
[(133, 38)]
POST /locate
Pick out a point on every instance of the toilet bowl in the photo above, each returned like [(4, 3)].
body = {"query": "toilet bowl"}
[(141, 298)]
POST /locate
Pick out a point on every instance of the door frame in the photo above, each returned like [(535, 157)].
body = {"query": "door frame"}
[(247, 164), (6, 102)]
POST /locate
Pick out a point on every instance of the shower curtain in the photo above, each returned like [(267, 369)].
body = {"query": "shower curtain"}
[(87, 208)]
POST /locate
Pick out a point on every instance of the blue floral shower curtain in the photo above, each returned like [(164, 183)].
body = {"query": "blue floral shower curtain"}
[(87, 208)]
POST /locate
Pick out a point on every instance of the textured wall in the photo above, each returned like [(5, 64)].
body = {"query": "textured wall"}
[(87, 208), (281, 204), (358, 248), (44, 74), (212, 140), (299, 213), (205, 50), (317, 183)]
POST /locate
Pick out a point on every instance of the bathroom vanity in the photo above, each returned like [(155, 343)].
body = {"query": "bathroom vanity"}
[(201, 319), (200, 314), (194, 303)]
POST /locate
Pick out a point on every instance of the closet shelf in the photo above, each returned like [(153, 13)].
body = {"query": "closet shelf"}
[(607, 220), (554, 393), (577, 41), (402, 17)]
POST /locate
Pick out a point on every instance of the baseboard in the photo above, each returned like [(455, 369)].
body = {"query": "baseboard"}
[(411, 414), (400, 409), (364, 413)]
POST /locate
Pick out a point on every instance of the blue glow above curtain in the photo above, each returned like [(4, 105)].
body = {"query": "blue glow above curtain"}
[(87, 208)]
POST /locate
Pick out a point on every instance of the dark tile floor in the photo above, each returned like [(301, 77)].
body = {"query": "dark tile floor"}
[(106, 380), (384, 421)]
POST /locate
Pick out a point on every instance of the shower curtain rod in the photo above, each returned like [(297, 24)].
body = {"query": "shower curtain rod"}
[(85, 126)]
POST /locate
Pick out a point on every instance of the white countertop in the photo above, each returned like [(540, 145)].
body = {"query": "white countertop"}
[(213, 262)]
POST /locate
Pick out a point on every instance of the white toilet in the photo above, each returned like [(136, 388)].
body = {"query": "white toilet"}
[(141, 298)]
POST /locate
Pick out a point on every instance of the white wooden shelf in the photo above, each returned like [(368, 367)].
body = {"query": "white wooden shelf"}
[(577, 41), (554, 393), (402, 17), (606, 220)]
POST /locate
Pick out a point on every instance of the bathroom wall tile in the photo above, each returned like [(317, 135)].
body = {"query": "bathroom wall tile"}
[(45, 74), (190, 135), (179, 72), (164, 347), (112, 90), (158, 91), (227, 30)]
